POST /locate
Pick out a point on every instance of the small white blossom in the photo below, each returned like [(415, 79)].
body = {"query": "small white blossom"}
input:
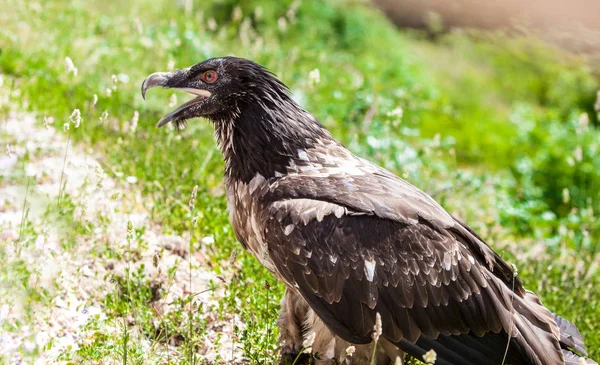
[(95, 100), (66, 127), (131, 179), (4, 310), (108, 92), (208, 240), (237, 13), (396, 113), (377, 329), (212, 24), (566, 196), (258, 13), (584, 121), (75, 118), (282, 23), (104, 115), (69, 66), (430, 357), (138, 26), (314, 77), (515, 270), (350, 350), (173, 100), (100, 174), (48, 122), (134, 121), (578, 153)]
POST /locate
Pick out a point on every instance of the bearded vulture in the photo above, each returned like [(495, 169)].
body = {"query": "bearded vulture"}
[(356, 246)]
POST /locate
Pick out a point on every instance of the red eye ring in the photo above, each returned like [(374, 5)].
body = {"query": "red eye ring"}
[(209, 77)]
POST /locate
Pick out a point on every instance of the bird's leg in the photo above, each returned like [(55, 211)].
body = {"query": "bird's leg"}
[(293, 311)]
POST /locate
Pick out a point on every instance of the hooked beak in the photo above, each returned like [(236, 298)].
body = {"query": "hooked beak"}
[(160, 79)]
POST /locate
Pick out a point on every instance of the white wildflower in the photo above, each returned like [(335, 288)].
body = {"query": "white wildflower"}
[(377, 330), (237, 14), (258, 13), (282, 23), (131, 179), (578, 153), (40, 242), (4, 310), (172, 101), (188, 6), (350, 350), (308, 342), (108, 92), (396, 113), (48, 122), (69, 66), (95, 100), (566, 196), (28, 346), (104, 115), (100, 174), (134, 121), (584, 121), (193, 198), (66, 127), (515, 270), (138, 26), (171, 65), (430, 357), (75, 118), (212, 24), (208, 240), (314, 77)]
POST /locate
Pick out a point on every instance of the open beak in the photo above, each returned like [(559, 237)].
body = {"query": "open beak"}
[(160, 79)]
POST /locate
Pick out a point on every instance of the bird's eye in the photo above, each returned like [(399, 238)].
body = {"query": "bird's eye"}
[(209, 77)]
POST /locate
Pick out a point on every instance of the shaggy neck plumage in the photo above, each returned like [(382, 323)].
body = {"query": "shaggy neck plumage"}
[(262, 133)]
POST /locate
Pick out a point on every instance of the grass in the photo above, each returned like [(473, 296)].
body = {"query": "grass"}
[(492, 125)]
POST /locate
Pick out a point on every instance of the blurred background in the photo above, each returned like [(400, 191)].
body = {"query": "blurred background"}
[(570, 24), (491, 107)]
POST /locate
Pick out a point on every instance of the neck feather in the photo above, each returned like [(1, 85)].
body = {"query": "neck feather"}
[(263, 135)]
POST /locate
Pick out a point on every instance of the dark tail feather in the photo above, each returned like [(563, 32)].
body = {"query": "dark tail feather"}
[(573, 359), (571, 341), (570, 337)]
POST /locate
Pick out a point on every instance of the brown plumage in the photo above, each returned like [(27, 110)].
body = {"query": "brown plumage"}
[(350, 239)]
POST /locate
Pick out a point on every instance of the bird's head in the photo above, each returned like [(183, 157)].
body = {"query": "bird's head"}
[(222, 86), (258, 125)]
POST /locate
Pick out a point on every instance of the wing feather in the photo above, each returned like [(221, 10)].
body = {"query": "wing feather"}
[(426, 285)]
